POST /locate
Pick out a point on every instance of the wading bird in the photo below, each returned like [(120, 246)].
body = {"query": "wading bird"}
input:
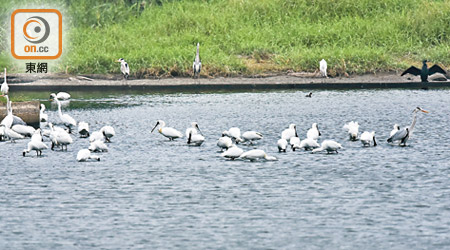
[(59, 137), (168, 132), (282, 145), (42, 115), (85, 155), (98, 146), (62, 96), (367, 138), (313, 132), (329, 145), (235, 133), (352, 130), (232, 152), (403, 134), (252, 136), (66, 119), (108, 132), (197, 65), (225, 141), (309, 144), (83, 129), (4, 89), (323, 68), (425, 72), (124, 68), (194, 135), (36, 145), (294, 142), (287, 134), (394, 130), (256, 154)]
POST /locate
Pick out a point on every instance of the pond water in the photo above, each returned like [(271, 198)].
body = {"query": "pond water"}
[(148, 192)]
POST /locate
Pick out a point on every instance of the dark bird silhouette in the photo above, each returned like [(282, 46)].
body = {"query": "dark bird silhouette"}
[(425, 72), (309, 95)]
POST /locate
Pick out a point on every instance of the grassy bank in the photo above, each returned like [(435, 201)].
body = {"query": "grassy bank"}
[(249, 37)]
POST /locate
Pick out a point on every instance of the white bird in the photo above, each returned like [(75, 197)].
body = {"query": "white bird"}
[(232, 152), (59, 137), (294, 142), (108, 132), (323, 68), (256, 154), (42, 115), (287, 134), (328, 145), (66, 119), (352, 130), (98, 146), (251, 136), (282, 145), (83, 129), (11, 119), (11, 134), (197, 65), (403, 134), (85, 155), (367, 138), (225, 141), (36, 145), (24, 130), (168, 132), (4, 89), (96, 136), (393, 131), (313, 132), (62, 96), (235, 133), (194, 135), (309, 144), (124, 68), (37, 136), (2, 132)]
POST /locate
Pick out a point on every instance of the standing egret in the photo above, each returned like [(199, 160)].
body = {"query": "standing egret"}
[(225, 141), (83, 129), (393, 131), (323, 68), (309, 144), (352, 130), (85, 155), (124, 68), (36, 145), (282, 145), (108, 132), (168, 132), (256, 154), (4, 89), (252, 136), (425, 72), (328, 145), (66, 119), (367, 138), (42, 115), (313, 132), (290, 132), (194, 135), (232, 152), (197, 65), (403, 134)]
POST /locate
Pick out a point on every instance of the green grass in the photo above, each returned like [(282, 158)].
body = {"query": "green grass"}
[(248, 37)]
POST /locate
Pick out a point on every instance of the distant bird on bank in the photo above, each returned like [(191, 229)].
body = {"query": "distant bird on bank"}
[(403, 134), (4, 89), (425, 72), (62, 96), (124, 68), (323, 68), (197, 65), (309, 95)]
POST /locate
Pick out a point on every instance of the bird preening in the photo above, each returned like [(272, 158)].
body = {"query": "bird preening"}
[(425, 71)]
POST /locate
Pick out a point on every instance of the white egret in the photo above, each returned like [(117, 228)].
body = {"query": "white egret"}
[(168, 132), (83, 129), (225, 141), (328, 145), (256, 154), (367, 138), (352, 130), (251, 136), (294, 142), (290, 132), (98, 146), (282, 145), (4, 89), (108, 132), (197, 65), (85, 155), (309, 144), (403, 134), (323, 68), (66, 119), (124, 68), (313, 132), (42, 115), (393, 131), (36, 145), (194, 135), (59, 137), (62, 96), (24, 130), (232, 152)]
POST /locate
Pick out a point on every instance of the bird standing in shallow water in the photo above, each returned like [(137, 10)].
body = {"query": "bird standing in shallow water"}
[(197, 65), (425, 72), (4, 89), (403, 134), (124, 68)]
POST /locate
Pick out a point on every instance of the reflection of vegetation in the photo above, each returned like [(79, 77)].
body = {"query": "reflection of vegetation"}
[(158, 37)]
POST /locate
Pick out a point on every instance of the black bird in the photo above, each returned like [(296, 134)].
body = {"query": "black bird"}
[(425, 72), (309, 95)]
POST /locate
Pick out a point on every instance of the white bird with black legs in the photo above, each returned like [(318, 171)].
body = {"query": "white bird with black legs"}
[(290, 132), (43, 116), (225, 141), (197, 65), (352, 130), (98, 146), (309, 144), (329, 145), (394, 130), (367, 138), (294, 142), (61, 96), (108, 132), (282, 145), (36, 145), (404, 134), (194, 135), (232, 152), (85, 155), (323, 68), (66, 119), (59, 138), (83, 129), (5, 88), (11, 134), (124, 68), (313, 132), (251, 136), (256, 154), (168, 132)]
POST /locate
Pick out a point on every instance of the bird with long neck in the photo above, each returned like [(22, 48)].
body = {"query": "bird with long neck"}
[(197, 65), (403, 135), (4, 89)]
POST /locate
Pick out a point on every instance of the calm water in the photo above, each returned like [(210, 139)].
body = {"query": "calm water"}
[(149, 193)]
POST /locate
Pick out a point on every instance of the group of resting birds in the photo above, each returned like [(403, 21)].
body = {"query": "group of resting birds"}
[(289, 139)]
